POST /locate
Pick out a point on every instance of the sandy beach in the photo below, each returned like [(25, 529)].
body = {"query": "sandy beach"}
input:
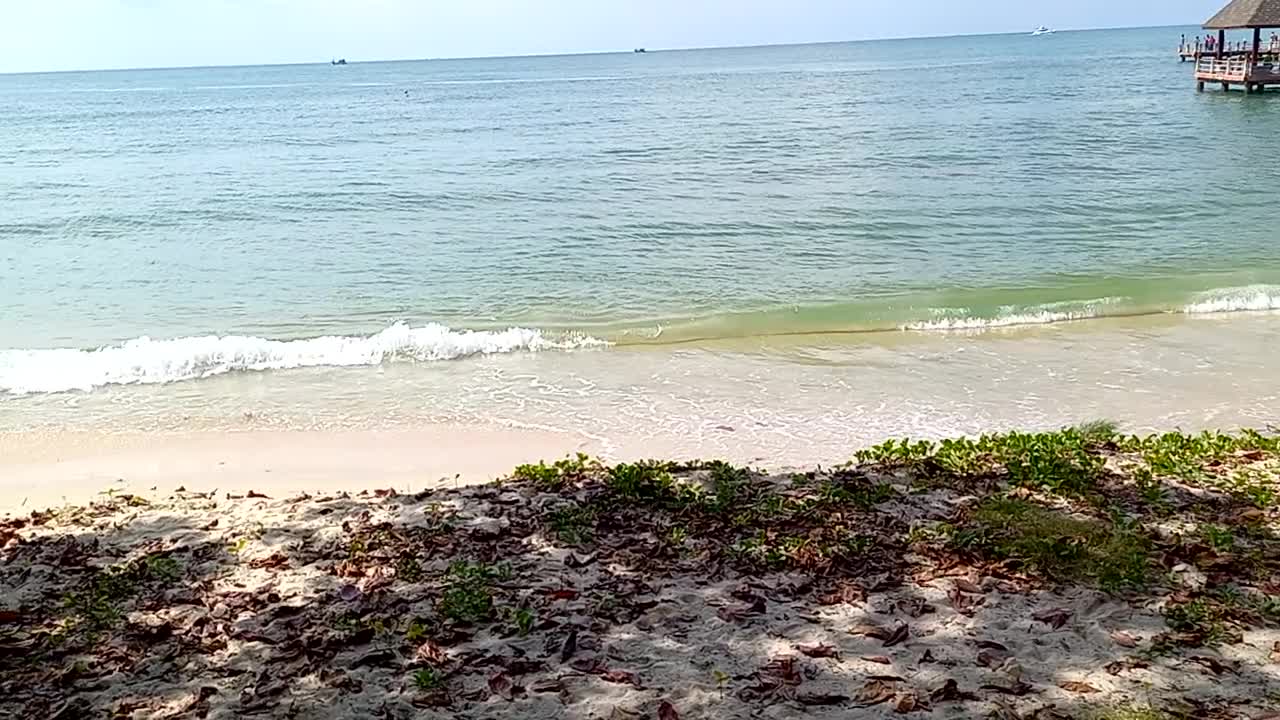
[(923, 582), (42, 470)]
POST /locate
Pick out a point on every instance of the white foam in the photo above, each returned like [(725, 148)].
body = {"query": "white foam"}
[(146, 361), (1011, 316), (1240, 299), (969, 322)]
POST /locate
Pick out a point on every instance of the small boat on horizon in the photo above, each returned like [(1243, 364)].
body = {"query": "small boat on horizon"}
[(1042, 30), (640, 50), (342, 61)]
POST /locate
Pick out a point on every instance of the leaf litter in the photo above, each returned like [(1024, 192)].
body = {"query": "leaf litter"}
[(445, 602)]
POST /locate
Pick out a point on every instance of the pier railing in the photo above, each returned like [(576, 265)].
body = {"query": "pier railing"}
[(1226, 69)]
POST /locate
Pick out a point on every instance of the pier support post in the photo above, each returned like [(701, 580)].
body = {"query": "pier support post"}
[(1226, 87), (1199, 86)]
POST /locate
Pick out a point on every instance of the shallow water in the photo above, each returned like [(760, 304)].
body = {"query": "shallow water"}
[(766, 239)]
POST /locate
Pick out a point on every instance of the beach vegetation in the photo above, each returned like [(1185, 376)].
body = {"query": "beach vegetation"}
[(99, 604), (844, 489), (409, 569), (558, 474), (523, 620), (416, 632), (1220, 539), (468, 592), (1098, 432), (427, 679), (573, 524), (641, 481), (1195, 623), (1063, 547)]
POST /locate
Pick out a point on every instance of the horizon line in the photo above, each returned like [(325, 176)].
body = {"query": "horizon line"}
[(583, 53)]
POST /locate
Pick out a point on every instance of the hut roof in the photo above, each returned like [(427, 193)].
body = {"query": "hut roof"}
[(1246, 14)]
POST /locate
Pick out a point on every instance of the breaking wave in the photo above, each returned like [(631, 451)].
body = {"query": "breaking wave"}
[(147, 361)]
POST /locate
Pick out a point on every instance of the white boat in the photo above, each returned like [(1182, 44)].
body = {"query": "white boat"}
[(1042, 30)]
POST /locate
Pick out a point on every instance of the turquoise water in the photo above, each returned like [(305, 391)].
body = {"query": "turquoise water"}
[(199, 221)]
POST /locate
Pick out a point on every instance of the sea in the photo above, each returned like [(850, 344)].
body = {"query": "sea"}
[(781, 251)]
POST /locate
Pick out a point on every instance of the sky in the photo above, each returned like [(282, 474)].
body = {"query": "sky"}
[(39, 35)]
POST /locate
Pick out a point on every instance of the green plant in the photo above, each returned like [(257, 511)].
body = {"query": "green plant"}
[(1198, 619), (1098, 432), (238, 546), (97, 605), (856, 491), (409, 569), (468, 595), (427, 679), (1062, 547), (1220, 539), (524, 621), (649, 482), (962, 456), (416, 632), (574, 524), (1149, 489), (558, 474), (1059, 462), (728, 485), (896, 452), (677, 535)]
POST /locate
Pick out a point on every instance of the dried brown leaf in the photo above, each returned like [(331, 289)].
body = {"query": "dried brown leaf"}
[(1215, 665), (547, 685), (1076, 686), (880, 659), (869, 630), (502, 686), (910, 702), (821, 650), (274, 560), (1005, 711), (1054, 618), (430, 652), (898, 635), (570, 645), (1124, 639), (809, 697), (874, 693), (1017, 689), (784, 669), (621, 677), (965, 585), (846, 593), (951, 692), (990, 659), (667, 711), (1116, 667)]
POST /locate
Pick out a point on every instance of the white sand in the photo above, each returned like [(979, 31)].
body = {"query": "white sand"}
[(682, 649), (40, 470)]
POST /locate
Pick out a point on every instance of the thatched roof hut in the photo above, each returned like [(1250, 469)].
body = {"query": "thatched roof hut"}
[(1250, 68), (1242, 14)]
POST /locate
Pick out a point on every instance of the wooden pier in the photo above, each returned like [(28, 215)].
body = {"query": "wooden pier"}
[(1249, 65)]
